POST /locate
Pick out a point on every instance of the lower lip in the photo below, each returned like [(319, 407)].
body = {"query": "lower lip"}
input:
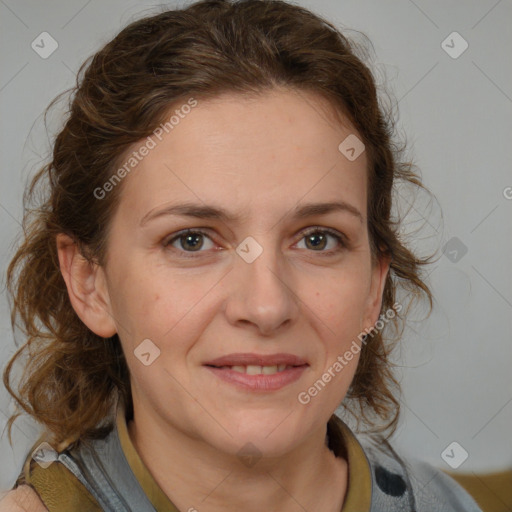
[(259, 382)]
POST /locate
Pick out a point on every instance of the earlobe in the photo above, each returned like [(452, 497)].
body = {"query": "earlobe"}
[(87, 289)]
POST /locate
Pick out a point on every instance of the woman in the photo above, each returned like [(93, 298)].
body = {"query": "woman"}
[(211, 276)]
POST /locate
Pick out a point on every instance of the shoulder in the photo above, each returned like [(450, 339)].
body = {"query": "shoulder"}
[(422, 486), (433, 486), (22, 499)]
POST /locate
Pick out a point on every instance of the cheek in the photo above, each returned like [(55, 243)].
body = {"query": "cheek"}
[(342, 306), (173, 312), (151, 299)]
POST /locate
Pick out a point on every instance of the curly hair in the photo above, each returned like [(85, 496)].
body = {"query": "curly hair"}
[(73, 377)]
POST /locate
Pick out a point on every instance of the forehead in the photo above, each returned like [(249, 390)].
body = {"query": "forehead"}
[(250, 153)]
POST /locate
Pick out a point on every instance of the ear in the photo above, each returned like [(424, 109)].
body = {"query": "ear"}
[(87, 288), (380, 271)]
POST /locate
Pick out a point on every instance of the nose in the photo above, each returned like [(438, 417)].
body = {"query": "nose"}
[(262, 294)]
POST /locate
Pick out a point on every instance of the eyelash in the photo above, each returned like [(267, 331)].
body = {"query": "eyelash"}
[(341, 239)]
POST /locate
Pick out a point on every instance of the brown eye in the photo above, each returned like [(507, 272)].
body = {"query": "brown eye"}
[(316, 241), (190, 241), (193, 241), (319, 240)]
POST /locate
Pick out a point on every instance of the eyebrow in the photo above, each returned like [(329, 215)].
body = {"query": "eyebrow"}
[(201, 211)]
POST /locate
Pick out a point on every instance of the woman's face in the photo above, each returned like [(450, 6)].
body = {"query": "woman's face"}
[(263, 279)]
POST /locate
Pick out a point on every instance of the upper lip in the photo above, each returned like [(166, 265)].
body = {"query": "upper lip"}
[(246, 359)]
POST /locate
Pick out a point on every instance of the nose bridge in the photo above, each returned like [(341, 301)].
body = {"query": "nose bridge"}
[(261, 292)]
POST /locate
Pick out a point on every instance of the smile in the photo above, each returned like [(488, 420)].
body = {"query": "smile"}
[(256, 378), (257, 370)]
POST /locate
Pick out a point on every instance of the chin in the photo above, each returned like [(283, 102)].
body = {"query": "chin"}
[(273, 433)]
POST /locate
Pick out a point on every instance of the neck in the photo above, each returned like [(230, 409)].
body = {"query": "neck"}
[(196, 476)]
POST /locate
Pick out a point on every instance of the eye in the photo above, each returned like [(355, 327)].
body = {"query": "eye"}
[(190, 241), (317, 239)]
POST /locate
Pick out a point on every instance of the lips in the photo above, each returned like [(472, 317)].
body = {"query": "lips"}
[(256, 372), (246, 359)]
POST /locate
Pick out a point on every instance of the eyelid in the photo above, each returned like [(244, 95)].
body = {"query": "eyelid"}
[(330, 231), (339, 236), (178, 234)]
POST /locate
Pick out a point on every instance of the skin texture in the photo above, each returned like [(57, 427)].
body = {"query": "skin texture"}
[(21, 499), (258, 158)]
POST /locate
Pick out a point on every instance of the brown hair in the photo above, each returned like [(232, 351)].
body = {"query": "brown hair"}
[(73, 377)]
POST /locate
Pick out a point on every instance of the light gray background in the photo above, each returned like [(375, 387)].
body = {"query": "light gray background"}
[(456, 114)]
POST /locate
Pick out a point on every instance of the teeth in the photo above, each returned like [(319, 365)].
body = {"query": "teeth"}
[(253, 370), (257, 370), (269, 370)]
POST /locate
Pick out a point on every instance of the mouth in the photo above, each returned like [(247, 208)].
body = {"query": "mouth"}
[(258, 372), (256, 369)]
